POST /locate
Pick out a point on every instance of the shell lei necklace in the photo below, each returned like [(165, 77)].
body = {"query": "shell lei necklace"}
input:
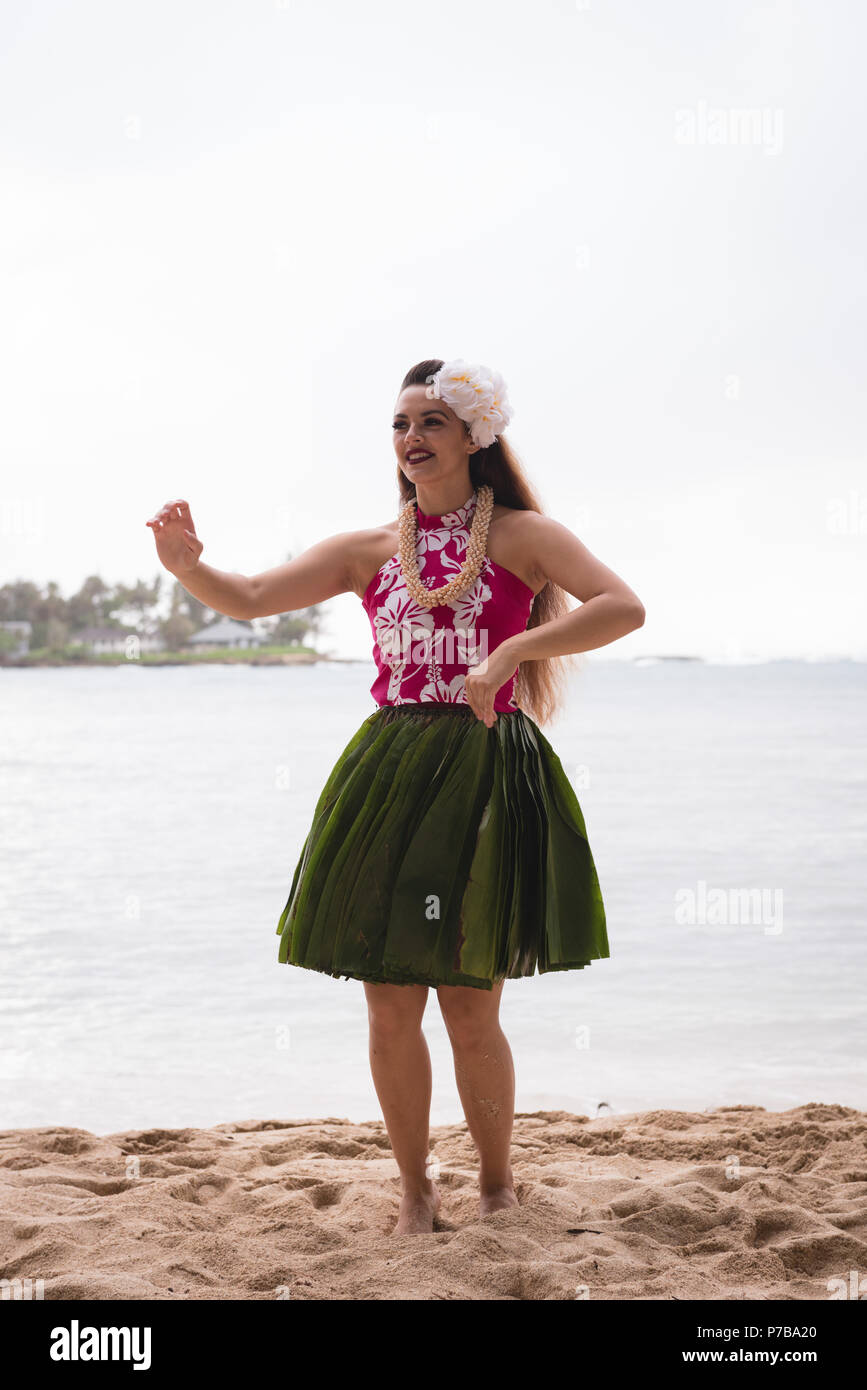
[(470, 569)]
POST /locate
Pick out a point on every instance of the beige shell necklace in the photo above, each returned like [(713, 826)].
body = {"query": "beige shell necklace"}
[(469, 572)]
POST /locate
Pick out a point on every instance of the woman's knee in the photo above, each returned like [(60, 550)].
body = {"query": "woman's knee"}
[(395, 1011), (470, 1016)]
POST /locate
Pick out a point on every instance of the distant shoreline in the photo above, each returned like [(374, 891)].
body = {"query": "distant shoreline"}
[(310, 658), (240, 658)]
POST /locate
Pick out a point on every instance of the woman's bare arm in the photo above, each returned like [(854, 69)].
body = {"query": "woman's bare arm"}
[(318, 574), (609, 608), (312, 577)]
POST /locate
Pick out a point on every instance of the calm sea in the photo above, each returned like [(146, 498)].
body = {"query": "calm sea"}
[(152, 818)]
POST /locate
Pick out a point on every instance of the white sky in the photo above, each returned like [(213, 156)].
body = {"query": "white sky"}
[(229, 228)]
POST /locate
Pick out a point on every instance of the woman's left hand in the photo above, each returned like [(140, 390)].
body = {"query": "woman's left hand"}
[(484, 680)]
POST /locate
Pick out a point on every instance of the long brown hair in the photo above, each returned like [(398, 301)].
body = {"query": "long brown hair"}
[(538, 684)]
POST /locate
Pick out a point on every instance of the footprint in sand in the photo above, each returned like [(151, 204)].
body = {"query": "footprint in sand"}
[(201, 1191), (325, 1194)]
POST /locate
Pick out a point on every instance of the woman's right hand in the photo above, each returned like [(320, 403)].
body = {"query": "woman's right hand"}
[(178, 546)]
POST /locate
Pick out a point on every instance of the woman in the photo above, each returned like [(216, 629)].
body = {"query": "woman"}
[(447, 849)]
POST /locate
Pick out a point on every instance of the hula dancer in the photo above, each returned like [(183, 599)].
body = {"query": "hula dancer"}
[(447, 850)]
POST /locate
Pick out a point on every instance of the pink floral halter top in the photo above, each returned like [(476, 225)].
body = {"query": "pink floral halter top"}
[(423, 654)]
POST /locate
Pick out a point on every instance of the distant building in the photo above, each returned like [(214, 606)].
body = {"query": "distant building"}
[(227, 632), (22, 631), (114, 639)]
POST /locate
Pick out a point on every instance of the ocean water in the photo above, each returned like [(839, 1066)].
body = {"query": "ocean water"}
[(151, 820)]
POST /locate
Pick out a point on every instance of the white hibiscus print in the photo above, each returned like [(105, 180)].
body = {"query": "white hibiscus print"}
[(389, 573), (398, 623), (469, 606), (432, 541), (449, 692)]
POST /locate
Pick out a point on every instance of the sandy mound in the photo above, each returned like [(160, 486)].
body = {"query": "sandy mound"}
[(735, 1203)]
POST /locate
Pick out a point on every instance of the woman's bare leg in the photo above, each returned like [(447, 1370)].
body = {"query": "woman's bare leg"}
[(400, 1064), (485, 1077)]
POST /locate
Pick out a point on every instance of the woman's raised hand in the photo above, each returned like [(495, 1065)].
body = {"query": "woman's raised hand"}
[(178, 546)]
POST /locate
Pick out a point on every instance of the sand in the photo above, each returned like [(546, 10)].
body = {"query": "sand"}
[(733, 1203)]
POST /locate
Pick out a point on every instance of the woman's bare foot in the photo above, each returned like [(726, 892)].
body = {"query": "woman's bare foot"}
[(497, 1199), (417, 1212)]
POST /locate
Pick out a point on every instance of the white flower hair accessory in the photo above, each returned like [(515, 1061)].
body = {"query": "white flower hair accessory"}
[(476, 394)]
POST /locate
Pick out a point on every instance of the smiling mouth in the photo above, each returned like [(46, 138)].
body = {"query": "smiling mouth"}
[(420, 458)]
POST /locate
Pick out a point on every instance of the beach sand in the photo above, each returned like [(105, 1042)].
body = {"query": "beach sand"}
[(734, 1203)]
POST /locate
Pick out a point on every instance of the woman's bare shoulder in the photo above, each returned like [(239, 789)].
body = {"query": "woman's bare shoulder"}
[(525, 528), (518, 518), (515, 541)]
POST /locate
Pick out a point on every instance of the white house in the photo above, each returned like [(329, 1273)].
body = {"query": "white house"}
[(227, 632)]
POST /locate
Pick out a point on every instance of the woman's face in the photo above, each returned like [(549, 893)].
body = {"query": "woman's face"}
[(430, 429)]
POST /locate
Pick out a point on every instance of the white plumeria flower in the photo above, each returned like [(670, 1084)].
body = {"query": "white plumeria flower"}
[(476, 394)]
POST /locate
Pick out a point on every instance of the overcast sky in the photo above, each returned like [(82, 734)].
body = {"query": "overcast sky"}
[(228, 229)]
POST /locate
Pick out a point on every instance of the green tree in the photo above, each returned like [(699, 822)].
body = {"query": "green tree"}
[(198, 613), (186, 616), (56, 634), (176, 630), (293, 627), (8, 642), (23, 601), (136, 603), (90, 606), (20, 601)]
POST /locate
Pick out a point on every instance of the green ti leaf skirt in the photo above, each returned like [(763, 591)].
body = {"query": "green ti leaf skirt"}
[(445, 853)]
